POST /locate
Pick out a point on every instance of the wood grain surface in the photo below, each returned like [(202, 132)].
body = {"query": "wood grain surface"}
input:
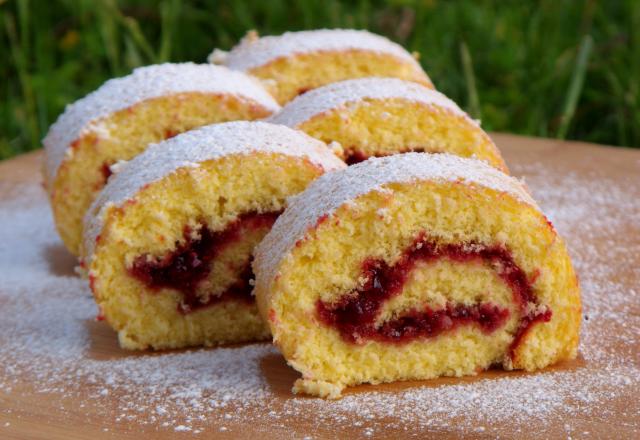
[(26, 413)]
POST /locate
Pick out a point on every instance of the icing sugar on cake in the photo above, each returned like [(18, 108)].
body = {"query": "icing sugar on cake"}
[(144, 83), (335, 95), (332, 190), (52, 351), (190, 148), (254, 51)]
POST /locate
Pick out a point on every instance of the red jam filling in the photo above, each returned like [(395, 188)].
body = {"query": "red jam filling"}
[(185, 268), (426, 323), (105, 169), (353, 157), (355, 314), (168, 133)]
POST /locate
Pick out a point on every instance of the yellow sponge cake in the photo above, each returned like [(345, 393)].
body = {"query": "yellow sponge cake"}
[(415, 266), (295, 62), (382, 116), (168, 242), (119, 120)]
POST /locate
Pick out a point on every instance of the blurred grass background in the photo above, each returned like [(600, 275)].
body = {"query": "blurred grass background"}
[(553, 68)]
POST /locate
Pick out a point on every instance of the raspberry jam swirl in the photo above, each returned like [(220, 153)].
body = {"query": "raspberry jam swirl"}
[(354, 316), (188, 266)]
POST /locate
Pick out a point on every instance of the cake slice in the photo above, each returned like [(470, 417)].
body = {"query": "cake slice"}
[(415, 266), (372, 117), (296, 62), (168, 242), (119, 120)]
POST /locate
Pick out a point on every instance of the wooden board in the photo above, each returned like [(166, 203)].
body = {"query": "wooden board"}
[(27, 412)]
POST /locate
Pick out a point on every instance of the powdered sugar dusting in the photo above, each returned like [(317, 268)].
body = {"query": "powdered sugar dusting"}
[(332, 190), (254, 52), (145, 83), (195, 146), (339, 94), (50, 341)]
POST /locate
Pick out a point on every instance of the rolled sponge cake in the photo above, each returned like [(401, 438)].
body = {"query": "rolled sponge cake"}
[(118, 120), (295, 62), (415, 266), (371, 117), (168, 242)]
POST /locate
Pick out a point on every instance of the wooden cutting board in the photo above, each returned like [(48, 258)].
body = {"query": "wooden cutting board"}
[(28, 411)]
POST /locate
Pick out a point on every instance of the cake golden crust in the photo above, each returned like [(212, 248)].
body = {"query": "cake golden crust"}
[(169, 241), (415, 266)]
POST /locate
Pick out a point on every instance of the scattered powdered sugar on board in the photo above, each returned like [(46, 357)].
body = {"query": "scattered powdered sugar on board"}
[(48, 340)]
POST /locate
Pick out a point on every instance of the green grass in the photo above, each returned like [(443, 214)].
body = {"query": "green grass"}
[(554, 68)]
